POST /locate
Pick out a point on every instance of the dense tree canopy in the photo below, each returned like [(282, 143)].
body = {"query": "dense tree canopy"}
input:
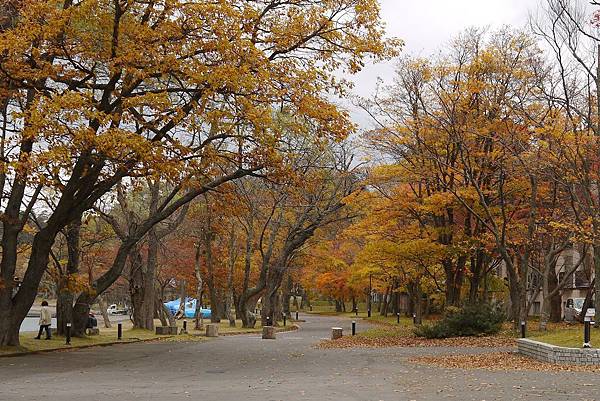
[(197, 148), (96, 93)]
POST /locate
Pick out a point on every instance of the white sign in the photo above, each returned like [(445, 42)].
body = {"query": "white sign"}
[(591, 312)]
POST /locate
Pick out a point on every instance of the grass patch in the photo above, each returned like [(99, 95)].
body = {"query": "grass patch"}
[(571, 336), (109, 336), (385, 332), (324, 307), (560, 334), (389, 331)]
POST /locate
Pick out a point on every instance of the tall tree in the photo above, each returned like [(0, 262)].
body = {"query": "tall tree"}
[(461, 127), (569, 29), (86, 111)]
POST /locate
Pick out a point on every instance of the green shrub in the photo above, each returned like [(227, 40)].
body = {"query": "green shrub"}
[(471, 320)]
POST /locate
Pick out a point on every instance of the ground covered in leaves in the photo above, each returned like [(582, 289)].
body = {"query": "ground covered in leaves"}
[(499, 361), (411, 341), (386, 334)]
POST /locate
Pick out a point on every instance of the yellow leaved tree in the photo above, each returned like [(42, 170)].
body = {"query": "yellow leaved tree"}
[(99, 92)]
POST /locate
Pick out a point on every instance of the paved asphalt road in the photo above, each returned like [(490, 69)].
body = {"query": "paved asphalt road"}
[(289, 368)]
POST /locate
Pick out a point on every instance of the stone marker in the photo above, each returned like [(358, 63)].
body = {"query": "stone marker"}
[(336, 332), (212, 330), (93, 332), (268, 333)]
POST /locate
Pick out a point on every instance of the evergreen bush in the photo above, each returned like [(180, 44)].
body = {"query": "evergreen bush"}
[(470, 320)]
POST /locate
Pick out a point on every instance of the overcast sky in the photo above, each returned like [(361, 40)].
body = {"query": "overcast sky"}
[(426, 25)]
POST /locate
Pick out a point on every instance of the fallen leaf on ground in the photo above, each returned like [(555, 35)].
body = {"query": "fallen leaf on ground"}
[(499, 361), (401, 341)]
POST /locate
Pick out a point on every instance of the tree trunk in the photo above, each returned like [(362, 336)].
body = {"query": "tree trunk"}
[(162, 316), (270, 299), (248, 317), (416, 296), (146, 315), (454, 278), (597, 259), (215, 305), (386, 301), (246, 307), (136, 287), (229, 309), (236, 302), (64, 309), (223, 299), (277, 308), (477, 271), (556, 308), (287, 293), (103, 307), (230, 298), (143, 293), (394, 301), (182, 297), (64, 301), (545, 315), (338, 305), (198, 318), (9, 333), (165, 316), (515, 302), (248, 296), (81, 313)]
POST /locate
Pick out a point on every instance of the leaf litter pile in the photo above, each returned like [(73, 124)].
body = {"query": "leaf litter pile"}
[(499, 361), (361, 341)]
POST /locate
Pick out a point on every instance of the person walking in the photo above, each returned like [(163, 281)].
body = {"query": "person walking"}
[(45, 321)]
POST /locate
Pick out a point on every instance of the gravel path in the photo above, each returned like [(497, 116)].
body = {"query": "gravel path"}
[(289, 368)]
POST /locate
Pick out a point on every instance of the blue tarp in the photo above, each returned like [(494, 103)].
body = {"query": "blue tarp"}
[(190, 308)]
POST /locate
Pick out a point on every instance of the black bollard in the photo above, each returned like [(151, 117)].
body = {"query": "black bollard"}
[(296, 315), (523, 329), (185, 326), (369, 312), (414, 318), (587, 332), (119, 331), (68, 334), (398, 317), (311, 308), (353, 328), (355, 311), (284, 320), (268, 321)]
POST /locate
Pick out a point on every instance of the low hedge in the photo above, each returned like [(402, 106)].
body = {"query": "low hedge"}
[(470, 320)]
